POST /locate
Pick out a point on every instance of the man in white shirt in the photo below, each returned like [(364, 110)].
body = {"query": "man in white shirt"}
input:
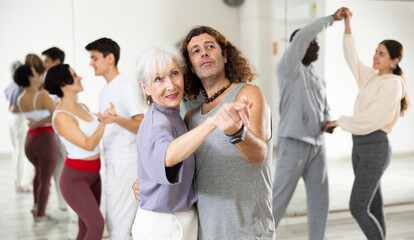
[(119, 105)]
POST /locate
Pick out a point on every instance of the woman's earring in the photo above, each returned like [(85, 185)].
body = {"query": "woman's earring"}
[(393, 66)]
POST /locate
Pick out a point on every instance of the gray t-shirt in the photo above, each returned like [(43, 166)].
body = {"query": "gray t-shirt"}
[(234, 196)]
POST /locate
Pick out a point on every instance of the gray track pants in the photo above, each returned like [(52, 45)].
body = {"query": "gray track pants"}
[(297, 159), (371, 155)]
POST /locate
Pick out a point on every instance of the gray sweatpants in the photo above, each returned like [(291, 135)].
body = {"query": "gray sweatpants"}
[(297, 159), (371, 155)]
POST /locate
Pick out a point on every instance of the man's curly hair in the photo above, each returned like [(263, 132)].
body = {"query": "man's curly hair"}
[(237, 68)]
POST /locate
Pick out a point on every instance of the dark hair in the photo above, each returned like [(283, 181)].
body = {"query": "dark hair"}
[(237, 68), (55, 53), (395, 49), (105, 46), (36, 62), (22, 74), (293, 34), (58, 77)]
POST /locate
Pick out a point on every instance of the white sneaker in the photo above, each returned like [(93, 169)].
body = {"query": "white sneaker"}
[(46, 221), (60, 215), (34, 210)]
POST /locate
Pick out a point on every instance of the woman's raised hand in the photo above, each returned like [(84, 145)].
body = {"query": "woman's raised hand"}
[(347, 22)]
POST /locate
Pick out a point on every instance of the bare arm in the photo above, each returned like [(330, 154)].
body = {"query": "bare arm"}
[(67, 126), (186, 144), (110, 116), (35, 124), (254, 147), (46, 102), (132, 124)]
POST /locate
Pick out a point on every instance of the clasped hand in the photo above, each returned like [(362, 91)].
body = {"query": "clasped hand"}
[(108, 116), (330, 126), (32, 124), (231, 116)]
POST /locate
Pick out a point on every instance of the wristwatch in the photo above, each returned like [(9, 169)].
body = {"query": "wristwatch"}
[(237, 139)]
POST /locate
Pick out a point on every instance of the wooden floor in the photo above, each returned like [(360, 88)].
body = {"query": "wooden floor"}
[(16, 222), (341, 225)]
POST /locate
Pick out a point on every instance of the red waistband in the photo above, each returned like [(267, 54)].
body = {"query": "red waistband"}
[(34, 132), (84, 165)]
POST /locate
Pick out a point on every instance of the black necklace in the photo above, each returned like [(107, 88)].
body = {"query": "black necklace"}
[(218, 93)]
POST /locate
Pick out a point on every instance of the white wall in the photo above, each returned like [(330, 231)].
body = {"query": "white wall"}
[(28, 27), (255, 24), (372, 22), (32, 26)]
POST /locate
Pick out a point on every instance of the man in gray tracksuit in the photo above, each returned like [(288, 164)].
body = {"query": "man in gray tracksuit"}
[(303, 113)]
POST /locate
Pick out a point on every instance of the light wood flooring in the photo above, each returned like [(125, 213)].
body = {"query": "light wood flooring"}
[(341, 225), (16, 222)]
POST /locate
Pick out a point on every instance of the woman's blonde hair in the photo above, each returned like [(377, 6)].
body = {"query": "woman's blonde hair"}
[(36, 62)]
